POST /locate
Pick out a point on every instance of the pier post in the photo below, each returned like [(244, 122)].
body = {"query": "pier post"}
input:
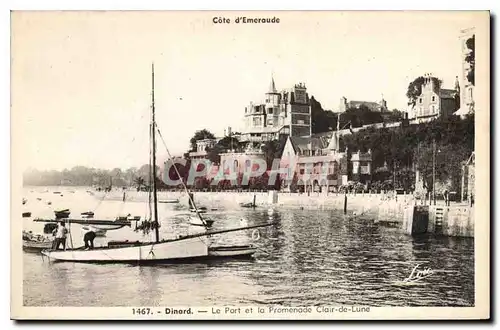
[(254, 198), (191, 198), (345, 203)]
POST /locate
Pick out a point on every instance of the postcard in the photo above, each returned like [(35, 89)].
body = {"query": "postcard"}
[(268, 165)]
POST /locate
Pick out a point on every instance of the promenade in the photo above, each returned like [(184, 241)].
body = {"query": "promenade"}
[(457, 219)]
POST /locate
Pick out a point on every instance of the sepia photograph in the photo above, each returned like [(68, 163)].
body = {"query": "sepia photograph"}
[(250, 165)]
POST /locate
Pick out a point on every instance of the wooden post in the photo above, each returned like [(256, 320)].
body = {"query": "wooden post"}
[(191, 199), (254, 198), (345, 203)]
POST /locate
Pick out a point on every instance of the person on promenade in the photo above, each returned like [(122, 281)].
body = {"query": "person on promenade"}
[(446, 197)]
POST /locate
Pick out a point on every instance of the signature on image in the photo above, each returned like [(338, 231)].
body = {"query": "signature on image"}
[(418, 274)]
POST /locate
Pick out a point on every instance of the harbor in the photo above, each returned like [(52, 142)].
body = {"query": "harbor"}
[(311, 256), (319, 167)]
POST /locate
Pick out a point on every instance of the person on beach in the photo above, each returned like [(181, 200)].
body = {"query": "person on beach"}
[(88, 238)]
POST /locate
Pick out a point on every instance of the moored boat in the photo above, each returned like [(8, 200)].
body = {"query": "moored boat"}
[(62, 214), (232, 251), (199, 210), (168, 201), (195, 221), (88, 214), (35, 243)]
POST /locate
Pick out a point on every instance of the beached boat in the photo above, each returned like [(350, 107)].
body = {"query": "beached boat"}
[(183, 248)]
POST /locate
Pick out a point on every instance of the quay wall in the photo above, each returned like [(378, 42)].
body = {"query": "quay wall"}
[(396, 210)]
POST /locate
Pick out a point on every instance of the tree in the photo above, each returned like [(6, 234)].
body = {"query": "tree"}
[(225, 144), (415, 88), (229, 143), (395, 116), (471, 58), (359, 116), (200, 135), (273, 150), (139, 182), (321, 120)]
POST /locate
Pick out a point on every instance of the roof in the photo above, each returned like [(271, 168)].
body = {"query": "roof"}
[(309, 143), (266, 129), (462, 111), (272, 87), (447, 93)]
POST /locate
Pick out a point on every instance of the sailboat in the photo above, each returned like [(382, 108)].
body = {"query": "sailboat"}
[(180, 249)]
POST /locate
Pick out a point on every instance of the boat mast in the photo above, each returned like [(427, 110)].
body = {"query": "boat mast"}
[(153, 142)]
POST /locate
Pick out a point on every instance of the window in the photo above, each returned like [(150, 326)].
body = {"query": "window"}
[(433, 98), (432, 109), (420, 100)]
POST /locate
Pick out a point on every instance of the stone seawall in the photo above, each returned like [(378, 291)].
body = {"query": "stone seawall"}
[(382, 207), (396, 210)]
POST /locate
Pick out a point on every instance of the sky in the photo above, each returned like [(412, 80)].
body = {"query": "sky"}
[(81, 81)]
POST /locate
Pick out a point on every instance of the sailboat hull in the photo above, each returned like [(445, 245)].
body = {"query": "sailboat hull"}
[(194, 247)]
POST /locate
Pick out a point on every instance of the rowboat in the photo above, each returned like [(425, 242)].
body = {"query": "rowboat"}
[(168, 201), (35, 243), (195, 221)]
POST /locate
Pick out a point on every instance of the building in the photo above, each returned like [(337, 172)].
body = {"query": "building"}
[(319, 165), (434, 101), (283, 113), (202, 148), (468, 179), (240, 162), (467, 92), (380, 106)]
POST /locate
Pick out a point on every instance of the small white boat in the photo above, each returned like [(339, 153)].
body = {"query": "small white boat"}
[(168, 201), (200, 210), (232, 251), (195, 221)]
